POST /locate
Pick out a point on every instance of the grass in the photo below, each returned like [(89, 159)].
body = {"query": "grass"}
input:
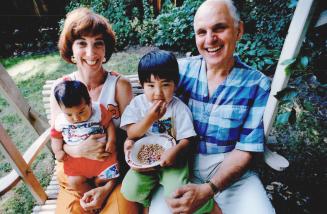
[(30, 74)]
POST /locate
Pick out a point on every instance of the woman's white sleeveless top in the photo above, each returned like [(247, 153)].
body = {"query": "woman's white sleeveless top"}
[(107, 96)]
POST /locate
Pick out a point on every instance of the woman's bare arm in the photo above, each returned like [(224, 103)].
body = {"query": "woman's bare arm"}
[(124, 93)]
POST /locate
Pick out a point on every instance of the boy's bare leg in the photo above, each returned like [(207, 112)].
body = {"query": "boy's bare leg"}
[(100, 181), (79, 184), (216, 209), (145, 210)]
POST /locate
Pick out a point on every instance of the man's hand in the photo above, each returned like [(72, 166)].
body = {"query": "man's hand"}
[(189, 198)]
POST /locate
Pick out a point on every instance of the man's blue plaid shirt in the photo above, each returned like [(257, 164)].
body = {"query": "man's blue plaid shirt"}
[(232, 116)]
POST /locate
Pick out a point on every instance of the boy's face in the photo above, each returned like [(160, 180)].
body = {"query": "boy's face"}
[(159, 89), (77, 114)]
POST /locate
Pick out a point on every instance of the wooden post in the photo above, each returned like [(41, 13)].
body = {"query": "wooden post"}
[(291, 48), (9, 150), (9, 89)]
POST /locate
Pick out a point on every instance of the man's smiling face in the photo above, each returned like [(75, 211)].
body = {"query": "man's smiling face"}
[(216, 34)]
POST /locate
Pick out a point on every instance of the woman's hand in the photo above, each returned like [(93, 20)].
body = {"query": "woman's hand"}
[(91, 148), (94, 198), (189, 198)]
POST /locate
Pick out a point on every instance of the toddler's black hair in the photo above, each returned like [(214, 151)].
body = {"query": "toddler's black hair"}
[(71, 93), (161, 64)]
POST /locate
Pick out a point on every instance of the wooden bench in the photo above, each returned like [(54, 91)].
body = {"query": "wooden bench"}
[(47, 198), (52, 190)]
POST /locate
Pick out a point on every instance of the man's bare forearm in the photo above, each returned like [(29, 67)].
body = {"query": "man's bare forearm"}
[(233, 166)]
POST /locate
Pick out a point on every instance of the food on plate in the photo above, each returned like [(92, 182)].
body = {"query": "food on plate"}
[(150, 153)]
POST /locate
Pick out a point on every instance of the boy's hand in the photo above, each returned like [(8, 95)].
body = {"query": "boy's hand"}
[(158, 110), (168, 158), (128, 145), (60, 155), (106, 116)]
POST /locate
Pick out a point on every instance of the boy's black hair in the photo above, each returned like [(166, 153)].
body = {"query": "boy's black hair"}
[(71, 93), (161, 64)]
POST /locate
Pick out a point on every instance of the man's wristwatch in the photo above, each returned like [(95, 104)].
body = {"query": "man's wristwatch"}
[(213, 187)]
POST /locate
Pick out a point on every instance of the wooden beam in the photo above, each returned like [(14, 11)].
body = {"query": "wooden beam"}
[(11, 179), (291, 48), (9, 89), (292, 44), (9, 150)]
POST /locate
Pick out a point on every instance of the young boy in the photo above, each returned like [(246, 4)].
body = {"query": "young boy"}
[(79, 119), (158, 111)]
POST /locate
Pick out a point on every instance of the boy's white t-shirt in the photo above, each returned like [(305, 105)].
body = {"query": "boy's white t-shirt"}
[(177, 121)]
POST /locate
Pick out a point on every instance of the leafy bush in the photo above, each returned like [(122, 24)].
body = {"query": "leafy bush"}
[(265, 31), (121, 24), (145, 28), (175, 26)]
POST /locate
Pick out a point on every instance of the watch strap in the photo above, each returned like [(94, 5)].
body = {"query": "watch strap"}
[(213, 187)]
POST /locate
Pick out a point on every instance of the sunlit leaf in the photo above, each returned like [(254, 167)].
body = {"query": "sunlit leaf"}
[(288, 70), (288, 62), (308, 106), (287, 94), (283, 118), (292, 4), (268, 61), (304, 61)]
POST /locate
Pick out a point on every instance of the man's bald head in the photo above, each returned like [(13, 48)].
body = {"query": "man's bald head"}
[(209, 4)]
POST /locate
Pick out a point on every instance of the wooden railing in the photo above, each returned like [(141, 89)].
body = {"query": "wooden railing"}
[(21, 164)]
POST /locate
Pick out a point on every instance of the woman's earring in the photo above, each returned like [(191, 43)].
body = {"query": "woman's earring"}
[(73, 59), (104, 60)]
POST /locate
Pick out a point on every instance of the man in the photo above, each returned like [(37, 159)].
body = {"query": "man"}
[(227, 100)]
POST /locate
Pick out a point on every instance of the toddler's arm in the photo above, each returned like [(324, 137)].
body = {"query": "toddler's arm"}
[(111, 138), (137, 130), (57, 148), (168, 158)]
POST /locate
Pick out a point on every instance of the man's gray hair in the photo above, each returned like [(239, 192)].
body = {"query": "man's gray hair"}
[(232, 10)]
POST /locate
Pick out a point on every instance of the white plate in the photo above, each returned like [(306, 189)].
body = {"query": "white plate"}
[(165, 141)]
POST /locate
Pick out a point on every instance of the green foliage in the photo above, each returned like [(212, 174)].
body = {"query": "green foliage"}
[(3, 103), (145, 28), (175, 27), (4, 167), (288, 94), (265, 31), (121, 24)]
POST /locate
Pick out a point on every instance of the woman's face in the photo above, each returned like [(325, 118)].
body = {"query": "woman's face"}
[(89, 52)]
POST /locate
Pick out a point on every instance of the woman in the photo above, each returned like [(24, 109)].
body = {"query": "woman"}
[(88, 41)]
